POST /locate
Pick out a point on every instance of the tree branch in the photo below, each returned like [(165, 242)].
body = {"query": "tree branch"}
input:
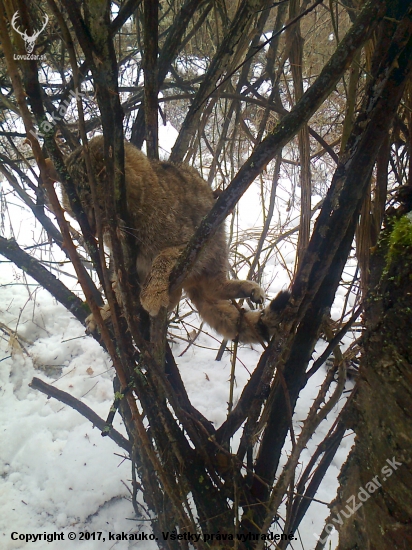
[(11, 250), (83, 409), (284, 132)]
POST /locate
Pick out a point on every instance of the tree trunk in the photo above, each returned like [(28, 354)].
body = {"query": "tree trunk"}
[(378, 473)]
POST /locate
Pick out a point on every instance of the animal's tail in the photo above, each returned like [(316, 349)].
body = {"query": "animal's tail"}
[(230, 322)]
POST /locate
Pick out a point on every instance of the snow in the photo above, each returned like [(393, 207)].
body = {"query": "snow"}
[(57, 473)]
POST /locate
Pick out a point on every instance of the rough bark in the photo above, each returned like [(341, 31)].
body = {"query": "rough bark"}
[(383, 418)]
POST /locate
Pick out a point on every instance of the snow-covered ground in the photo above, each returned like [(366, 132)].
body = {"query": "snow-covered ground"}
[(58, 475)]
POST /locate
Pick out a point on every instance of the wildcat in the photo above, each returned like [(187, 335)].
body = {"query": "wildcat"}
[(166, 203)]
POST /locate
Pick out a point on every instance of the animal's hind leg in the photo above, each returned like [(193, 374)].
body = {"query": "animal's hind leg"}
[(155, 290), (232, 289), (229, 321)]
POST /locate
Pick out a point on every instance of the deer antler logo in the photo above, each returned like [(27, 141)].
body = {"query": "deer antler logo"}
[(29, 41)]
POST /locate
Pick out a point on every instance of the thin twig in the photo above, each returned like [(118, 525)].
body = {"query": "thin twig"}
[(81, 408)]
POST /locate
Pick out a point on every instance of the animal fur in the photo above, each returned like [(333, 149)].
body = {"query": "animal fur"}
[(166, 203)]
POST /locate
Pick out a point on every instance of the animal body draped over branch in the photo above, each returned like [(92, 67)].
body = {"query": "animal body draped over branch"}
[(166, 203)]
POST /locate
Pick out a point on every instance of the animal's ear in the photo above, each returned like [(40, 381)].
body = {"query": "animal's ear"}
[(51, 171)]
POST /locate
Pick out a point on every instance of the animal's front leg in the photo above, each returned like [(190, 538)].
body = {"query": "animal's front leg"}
[(155, 290)]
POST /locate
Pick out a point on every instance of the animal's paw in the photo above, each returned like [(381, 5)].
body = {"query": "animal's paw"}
[(152, 300), (91, 324), (257, 294), (271, 315)]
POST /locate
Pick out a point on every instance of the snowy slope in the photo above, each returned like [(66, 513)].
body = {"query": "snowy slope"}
[(57, 473)]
